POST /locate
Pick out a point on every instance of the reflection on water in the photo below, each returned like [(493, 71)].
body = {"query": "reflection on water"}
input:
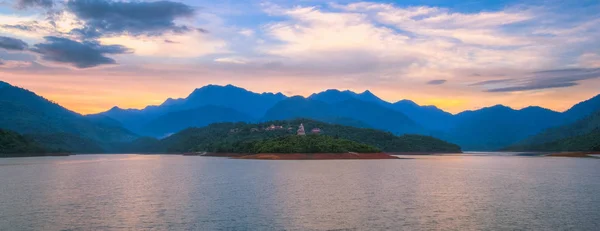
[(455, 192)]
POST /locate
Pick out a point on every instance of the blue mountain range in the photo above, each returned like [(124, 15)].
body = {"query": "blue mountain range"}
[(489, 128)]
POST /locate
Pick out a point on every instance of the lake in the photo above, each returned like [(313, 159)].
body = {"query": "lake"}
[(167, 192)]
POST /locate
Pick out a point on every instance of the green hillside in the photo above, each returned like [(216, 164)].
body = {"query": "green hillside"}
[(303, 144), (228, 137), (14, 145), (25, 112), (66, 142), (586, 142), (578, 136)]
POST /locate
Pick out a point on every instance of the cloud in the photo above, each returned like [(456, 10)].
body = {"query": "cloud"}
[(489, 82), (36, 26), (546, 79), (533, 86), (394, 42), (437, 82), (590, 60), (247, 32), (9, 43), (234, 60), (24, 4), (19, 27), (106, 17), (12, 64), (79, 54), (482, 28), (192, 44)]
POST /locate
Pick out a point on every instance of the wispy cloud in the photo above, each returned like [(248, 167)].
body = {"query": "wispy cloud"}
[(23, 4), (437, 82), (539, 80), (489, 82)]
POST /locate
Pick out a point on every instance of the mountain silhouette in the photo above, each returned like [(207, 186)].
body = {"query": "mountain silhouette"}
[(498, 126), (429, 117), (25, 112), (241, 100), (369, 113), (579, 128), (198, 117), (336, 96), (489, 128), (583, 109)]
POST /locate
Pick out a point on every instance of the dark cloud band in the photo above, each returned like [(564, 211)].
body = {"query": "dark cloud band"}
[(437, 82), (80, 54), (24, 4), (543, 80), (487, 82), (9, 43), (105, 17)]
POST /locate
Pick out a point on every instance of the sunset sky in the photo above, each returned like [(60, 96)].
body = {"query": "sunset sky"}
[(91, 55)]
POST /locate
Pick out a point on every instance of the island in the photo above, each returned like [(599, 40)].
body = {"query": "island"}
[(296, 139), (312, 146)]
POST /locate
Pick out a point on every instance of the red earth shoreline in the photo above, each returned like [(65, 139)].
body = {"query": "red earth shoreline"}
[(318, 156), (573, 154)]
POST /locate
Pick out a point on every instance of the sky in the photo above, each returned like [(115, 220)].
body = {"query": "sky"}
[(91, 55)]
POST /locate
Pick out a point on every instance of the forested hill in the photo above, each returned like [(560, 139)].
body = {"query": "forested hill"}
[(587, 142), (25, 112), (226, 137), (583, 135), (303, 144), (13, 145)]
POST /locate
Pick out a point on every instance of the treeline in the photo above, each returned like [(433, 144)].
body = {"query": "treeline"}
[(66, 143), (585, 143), (582, 135), (299, 144), (239, 138), (231, 137), (13, 145)]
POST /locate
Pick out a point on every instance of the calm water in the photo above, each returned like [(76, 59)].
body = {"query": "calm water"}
[(136, 192)]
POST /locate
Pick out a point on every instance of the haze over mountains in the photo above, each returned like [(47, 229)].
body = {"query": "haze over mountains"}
[(489, 128)]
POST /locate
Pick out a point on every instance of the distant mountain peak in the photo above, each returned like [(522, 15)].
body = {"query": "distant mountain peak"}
[(335, 95), (329, 91), (229, 87), (116, 108), (171, 101), (367, 92), (297, 97), (535, 108), (407, 102), (500, 106), (369, 96)]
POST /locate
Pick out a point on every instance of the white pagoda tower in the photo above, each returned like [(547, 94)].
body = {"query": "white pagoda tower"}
[(301, 130)]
